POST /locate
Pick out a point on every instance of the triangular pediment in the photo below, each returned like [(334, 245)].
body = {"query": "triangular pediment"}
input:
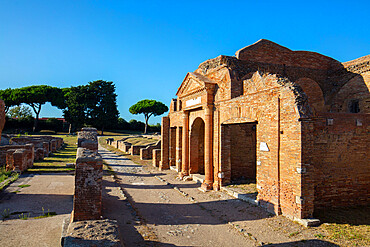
[(191, 84)]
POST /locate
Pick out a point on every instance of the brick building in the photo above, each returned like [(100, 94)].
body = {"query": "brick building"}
[(297, 122)]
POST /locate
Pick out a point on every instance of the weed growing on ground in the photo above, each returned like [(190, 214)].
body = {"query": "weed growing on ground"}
[(12, 179), (293, 234), (45, 215), (24, 216), (319, 235), (24, 185), (5, 214)]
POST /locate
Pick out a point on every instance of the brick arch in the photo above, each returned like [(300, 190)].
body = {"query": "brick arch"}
[(314, 93), (358, 88)]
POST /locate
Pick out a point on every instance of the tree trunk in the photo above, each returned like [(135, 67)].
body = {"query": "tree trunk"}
[(70, 128), (146, 124), (35, 122)]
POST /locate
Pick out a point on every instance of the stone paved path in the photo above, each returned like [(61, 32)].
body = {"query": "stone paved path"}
[(178, 214)]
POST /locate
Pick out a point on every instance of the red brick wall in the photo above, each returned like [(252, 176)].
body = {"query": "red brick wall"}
[(243, 151), (338, 158)]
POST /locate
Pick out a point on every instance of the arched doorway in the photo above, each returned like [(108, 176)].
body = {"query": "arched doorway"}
[(197, 147)]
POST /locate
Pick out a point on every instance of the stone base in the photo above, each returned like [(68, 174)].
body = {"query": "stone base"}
[(92, 233), (206, 187), (307, 222)]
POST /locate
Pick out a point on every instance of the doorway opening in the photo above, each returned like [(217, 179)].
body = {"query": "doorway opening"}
[(197, 147)]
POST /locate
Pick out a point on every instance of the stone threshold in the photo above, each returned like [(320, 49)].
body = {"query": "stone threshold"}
[(243, 197), (239, 196), (199, 178)]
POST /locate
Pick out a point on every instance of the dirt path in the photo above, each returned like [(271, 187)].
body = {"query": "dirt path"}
[(169, 212), (51, 192)]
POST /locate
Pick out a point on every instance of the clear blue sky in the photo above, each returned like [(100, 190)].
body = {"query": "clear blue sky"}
[(147, 47)]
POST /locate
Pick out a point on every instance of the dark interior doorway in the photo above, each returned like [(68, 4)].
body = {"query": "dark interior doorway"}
[(197, 147)]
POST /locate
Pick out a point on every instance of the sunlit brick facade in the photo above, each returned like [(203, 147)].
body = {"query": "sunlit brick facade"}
[(295, 121)]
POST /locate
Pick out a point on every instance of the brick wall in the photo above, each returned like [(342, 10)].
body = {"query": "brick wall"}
[(242, 150), (156, 157), (337, 158)]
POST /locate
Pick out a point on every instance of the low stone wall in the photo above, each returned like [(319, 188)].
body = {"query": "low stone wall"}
[(135, 149), (48, 143), (24, 158), (147, 152), (156, 157)]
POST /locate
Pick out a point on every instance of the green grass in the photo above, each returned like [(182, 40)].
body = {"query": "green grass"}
[(45, 215), (24, 186), (24, 216), (58, 160), (13, 178), (4, 174)]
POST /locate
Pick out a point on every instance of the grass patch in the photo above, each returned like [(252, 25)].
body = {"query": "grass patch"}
[(24, 186), (4, 174), (5, 214), (348, 226), (7, 182), (57, 162)]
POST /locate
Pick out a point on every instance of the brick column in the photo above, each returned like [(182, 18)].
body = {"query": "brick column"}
[(185, 145), (178, 148), (208, 148), (172, 151), (87, 201), (165, 143)]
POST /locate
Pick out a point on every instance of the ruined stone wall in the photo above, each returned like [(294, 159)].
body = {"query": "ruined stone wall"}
[(336, 151), (147, 152)]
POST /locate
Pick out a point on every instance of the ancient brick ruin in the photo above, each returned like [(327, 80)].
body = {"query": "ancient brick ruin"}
[(145, 151), (21, 152), (87, 202), (296, 122)]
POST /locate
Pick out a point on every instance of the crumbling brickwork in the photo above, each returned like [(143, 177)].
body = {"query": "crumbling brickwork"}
[(296, 122), (88, 138), (156, 157), (147, 152), (87, 203)]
